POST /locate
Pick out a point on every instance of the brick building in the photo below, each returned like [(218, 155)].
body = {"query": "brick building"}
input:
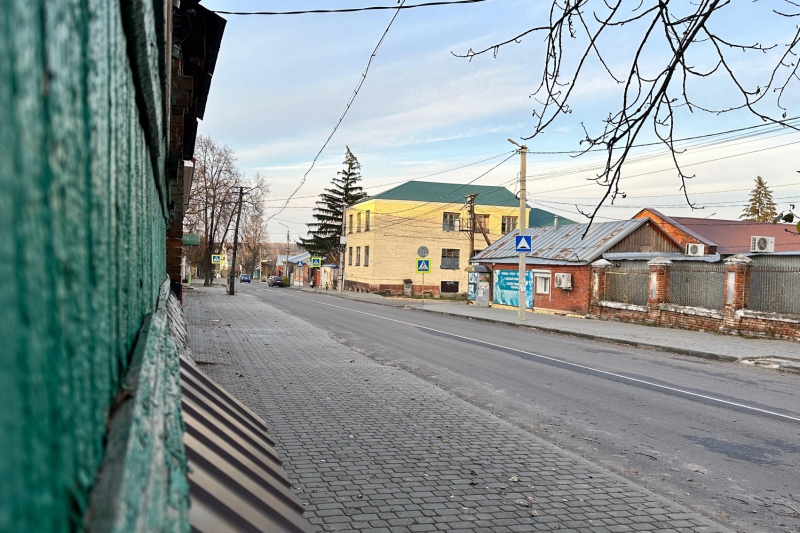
[(559, 272), (384, 232)]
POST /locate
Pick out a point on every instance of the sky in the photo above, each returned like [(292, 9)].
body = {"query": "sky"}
[(282, 82)]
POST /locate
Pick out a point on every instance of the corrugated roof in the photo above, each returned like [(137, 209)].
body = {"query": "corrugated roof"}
[(430, 191), (563, 244), (733, 236), (539, 218)]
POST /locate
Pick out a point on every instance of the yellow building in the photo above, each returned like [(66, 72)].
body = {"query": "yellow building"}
[(385, 231)]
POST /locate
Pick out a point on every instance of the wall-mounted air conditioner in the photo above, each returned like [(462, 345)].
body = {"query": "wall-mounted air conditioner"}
[(694, 248), (564, 281), (760, 244)]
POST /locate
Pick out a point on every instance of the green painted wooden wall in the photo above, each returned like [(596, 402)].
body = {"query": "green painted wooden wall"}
[(82, 232)]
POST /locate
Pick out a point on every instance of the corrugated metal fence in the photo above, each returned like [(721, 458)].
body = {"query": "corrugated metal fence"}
[(697, 284), (628, 284), (775, 284)]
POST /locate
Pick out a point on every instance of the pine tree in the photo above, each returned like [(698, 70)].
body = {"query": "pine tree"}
[(761, 207), (327, 230)]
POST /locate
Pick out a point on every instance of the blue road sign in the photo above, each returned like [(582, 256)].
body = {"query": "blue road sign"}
[(300, 263), (523, 243), (423, 266), (316, 262)]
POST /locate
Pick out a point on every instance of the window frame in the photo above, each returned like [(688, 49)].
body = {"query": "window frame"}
[(450, 257), (350, 225), (453, 225), (358, 256), (366, 254), (350, 257), (358, 222), (504, 227), (482, 220), (366, 222), (547, 277)]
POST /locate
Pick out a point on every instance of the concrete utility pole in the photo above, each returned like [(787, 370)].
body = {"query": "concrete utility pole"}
[(523, 150), (232, 274), (286, 264), (343, 245)]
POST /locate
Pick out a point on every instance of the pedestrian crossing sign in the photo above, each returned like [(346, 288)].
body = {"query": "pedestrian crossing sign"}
[(216, 259), (316, 262), (423, 266)]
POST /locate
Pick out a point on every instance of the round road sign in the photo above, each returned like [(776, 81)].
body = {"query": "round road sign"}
[(422, 251)]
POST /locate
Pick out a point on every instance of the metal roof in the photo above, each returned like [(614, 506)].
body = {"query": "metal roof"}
[(733, 236), (541, 218), (564, 245), (236, 480), (448, 193)]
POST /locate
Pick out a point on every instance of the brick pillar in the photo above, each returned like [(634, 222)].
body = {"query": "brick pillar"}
[(599, 281), (737, 289), (658, 287)]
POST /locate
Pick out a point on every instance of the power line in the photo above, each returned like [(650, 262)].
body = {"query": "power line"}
[(346, 109), (348, 10), (406, 181)]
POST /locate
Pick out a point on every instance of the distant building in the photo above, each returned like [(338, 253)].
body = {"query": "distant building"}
[(385, 231)]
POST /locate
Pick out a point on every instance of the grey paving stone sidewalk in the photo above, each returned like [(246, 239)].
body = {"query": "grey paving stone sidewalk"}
[(371, 447)]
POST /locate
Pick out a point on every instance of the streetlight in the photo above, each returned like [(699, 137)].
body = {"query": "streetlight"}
[(286, 267), (522, 208)]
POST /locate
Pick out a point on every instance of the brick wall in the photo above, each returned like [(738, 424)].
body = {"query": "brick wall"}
[(677, 234), (575, 300), (734, 317)]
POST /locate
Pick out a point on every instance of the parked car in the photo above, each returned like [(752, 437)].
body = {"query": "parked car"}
[(245, 278), (275, 281)]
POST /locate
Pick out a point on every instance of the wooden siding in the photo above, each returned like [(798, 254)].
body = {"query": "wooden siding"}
[(648, 238)]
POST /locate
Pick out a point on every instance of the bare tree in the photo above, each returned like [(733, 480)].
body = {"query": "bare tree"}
[(212, 200), (253, 234), (672, 54)]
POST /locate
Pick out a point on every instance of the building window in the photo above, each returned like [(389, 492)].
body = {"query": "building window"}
[(358, 222), (358, 256), (450, 222), (482, 224), (350, 256), (366, 222), (448, 286), (509, 224), (542, 282), (366, 254), (476, 252), (350, 226), (450, 258)]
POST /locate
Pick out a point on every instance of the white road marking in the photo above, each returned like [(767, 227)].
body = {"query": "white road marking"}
[(561, 361)]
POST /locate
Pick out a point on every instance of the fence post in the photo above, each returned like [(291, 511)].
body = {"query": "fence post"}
[(598, 282), (658, 288), (737, 289)]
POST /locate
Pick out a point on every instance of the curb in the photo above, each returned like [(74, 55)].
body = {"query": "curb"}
[(635, 344), (681, 351)]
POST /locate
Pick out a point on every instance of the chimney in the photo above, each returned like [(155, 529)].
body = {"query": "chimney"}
[(555, 223)]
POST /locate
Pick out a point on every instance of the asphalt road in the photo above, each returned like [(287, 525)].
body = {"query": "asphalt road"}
[(720, 438)]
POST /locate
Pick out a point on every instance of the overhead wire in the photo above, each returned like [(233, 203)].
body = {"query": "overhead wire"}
[(350, 9), (346, 109)]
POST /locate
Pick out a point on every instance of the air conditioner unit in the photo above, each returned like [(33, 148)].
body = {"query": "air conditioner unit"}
[(564, 281), (694, 248), (762, 244)]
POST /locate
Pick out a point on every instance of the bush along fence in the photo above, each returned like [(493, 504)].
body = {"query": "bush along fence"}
[(738, 295)]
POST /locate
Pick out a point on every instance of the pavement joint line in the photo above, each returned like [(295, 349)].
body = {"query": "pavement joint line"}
[(568, 363)]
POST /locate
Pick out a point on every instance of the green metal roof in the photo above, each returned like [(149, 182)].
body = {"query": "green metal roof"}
[(539, 218), (448, 193)]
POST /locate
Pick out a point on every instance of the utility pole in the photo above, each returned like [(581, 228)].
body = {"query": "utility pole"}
[(523, 150), (471, 211), (232, 274), (286, 267), (343, 245)]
